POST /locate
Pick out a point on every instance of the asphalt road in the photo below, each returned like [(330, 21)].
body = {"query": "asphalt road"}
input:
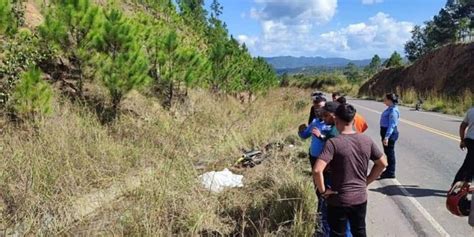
[(428, 157)]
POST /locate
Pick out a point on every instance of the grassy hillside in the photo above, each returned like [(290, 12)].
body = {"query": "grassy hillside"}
[(158, 47), (110, 110), (46, 168)]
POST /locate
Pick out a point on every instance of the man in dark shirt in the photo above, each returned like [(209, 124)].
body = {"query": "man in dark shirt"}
[(348, 156)]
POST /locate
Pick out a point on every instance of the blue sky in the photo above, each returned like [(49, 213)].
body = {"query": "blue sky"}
[(354, 29)]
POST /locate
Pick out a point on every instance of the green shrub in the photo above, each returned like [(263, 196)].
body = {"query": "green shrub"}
[(32, 95), (409, 97), (11, 16), (20, 52)]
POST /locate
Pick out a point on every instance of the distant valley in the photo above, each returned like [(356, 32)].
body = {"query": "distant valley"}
[(291, 64)]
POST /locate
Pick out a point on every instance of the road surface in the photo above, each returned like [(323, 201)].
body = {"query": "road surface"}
[(428, 157)]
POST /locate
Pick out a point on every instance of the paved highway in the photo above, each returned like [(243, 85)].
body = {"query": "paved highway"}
[(428, 157)]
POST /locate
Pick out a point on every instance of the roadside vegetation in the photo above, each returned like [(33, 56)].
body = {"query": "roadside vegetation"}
[(93, 93), (71, 154), (432, 101)]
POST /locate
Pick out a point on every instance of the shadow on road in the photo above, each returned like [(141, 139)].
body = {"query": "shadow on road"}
[(413, 190)]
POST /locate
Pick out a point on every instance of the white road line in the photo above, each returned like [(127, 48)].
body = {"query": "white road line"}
[(422, 210), (409, 109), (413, 200), (417, 125)]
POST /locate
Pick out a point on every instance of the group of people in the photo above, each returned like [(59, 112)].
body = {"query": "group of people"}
[(340, 153), (339, 156)]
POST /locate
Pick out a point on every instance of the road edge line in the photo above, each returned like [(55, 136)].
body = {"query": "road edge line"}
[(422, 210)]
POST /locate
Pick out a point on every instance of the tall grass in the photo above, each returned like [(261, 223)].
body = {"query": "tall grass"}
[(434, 101), (329, 82), (70, 154)]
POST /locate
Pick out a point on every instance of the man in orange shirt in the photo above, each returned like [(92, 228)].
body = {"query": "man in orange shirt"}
[(360, 124)]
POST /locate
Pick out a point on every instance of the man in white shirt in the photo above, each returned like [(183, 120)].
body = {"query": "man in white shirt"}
[(466, 133)]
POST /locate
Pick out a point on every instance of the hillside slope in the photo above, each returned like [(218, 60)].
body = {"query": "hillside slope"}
[(448, 71)]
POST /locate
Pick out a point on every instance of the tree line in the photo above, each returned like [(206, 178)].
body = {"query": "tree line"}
[(453, 23), (163, 45)]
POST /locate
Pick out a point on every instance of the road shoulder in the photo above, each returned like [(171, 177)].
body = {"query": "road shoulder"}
[(384, 218)]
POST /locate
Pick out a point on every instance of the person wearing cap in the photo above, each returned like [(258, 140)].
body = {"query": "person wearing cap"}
[(318, 102), (335, 96), (319, 132), (347, 156), (360, 124), (316, 129)]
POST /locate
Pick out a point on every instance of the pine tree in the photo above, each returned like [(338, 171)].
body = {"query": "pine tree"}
[(374, 66), (194, 13), (32, 95), (68, 27), (417, 46), (123, 65), (179, 65), (8, 22), (351, 71), (395, 60), (445, 30)]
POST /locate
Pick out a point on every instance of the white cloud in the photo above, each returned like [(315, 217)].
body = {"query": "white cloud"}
[(369, 2), (248, 40), (294, 12), (380, 34), (287, 24)]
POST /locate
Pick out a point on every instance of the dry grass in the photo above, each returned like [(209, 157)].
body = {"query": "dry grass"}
[(433, 101), (71, 154)]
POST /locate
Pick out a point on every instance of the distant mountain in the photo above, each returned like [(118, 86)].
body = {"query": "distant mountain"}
[(284, 63)]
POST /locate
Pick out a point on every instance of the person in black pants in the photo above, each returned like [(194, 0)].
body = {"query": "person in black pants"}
[(466, 133), (389, 133), (348, 156)]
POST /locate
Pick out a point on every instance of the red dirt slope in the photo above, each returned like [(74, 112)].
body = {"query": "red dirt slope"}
[(447, 71)]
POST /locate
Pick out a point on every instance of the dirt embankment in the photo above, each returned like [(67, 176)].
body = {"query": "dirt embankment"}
[(447, 71)]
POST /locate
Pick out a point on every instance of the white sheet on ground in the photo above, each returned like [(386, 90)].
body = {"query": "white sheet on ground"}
[(217, 181)]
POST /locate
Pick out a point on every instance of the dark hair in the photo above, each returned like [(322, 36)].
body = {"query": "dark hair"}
[(392, 97), (317, 93), (319, 99), (336, 94), (342, 100), (331, 107), (346, 112)]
